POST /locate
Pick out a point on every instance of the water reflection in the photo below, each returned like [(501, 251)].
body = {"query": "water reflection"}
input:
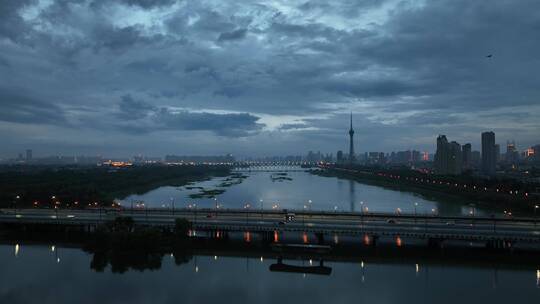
[(187, 276), (352, 195), (303, 191)]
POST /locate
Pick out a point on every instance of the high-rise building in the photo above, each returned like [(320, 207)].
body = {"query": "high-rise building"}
[(536, 152), (455, 156), (512, 154), (28, 155), (449, 157), (351, 143), (441, 155), (339, 157), (489, 157), (476, 158), (467, 156)]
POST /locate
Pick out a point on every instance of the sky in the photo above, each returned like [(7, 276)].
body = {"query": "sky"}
[(267, 77)]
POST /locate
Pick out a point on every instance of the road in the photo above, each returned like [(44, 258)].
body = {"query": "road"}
[(463, 228)]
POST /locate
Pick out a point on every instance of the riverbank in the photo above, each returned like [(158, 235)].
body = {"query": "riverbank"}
[(78, 187), (447, 189)]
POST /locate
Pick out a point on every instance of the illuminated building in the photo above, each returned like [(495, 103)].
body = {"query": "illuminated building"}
[(512, 155)]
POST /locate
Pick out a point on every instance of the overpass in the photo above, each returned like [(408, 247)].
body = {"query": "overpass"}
[(273, 166), (495, 231)]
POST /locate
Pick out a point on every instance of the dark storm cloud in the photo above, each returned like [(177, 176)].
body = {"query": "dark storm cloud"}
[(290, 68), (18, 108), (137, 116), (12, 25), (230, 125), (234, 35), (131, 109), (146, 4), (292, 126), (150, 3)]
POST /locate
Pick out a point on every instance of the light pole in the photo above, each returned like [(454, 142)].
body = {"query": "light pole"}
[(415, 205), (195, 213), (304, 217), (472, 213), (172, 205), (535, 218), (262, 209), (247, 206), (362, 214), (17, 198)]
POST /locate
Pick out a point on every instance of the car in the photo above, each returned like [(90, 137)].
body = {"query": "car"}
[(450, 223), (209, 216), (281, 223), (391, 221)]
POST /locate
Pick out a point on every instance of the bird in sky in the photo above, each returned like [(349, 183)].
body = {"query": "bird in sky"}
[(489, 56)]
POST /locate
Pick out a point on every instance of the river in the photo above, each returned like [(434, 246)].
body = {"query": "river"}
[(43, 274), (299, 190)]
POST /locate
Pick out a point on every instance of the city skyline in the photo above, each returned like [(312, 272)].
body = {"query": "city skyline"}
[(165, 77)]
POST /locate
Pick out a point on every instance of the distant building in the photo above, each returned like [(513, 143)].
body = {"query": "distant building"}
[(449, 157), (512, 154), (425, 156), (536, 153), (339, 157), (489, 157), (455, 160), (441, 155), (467, 156), (28, 155), (376, 158), (497, 153), (476, 157), (351, 144)]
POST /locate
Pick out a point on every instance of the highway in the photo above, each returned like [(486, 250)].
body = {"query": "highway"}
[(373, 224)]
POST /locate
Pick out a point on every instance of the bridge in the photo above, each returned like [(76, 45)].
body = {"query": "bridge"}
[(273, 224), (273, 166)]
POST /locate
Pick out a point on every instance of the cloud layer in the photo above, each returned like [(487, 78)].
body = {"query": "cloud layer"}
[(266, 77)]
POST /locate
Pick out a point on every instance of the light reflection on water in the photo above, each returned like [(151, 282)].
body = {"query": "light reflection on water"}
[(35, 277), (304, 191)]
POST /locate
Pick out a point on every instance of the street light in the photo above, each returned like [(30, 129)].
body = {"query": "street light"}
[(415, 205), (17, 198), (304, 216), (535, 218), (247, 206)]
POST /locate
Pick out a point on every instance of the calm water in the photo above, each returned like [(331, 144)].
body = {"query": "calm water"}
[(35, 274), (325, 193)]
